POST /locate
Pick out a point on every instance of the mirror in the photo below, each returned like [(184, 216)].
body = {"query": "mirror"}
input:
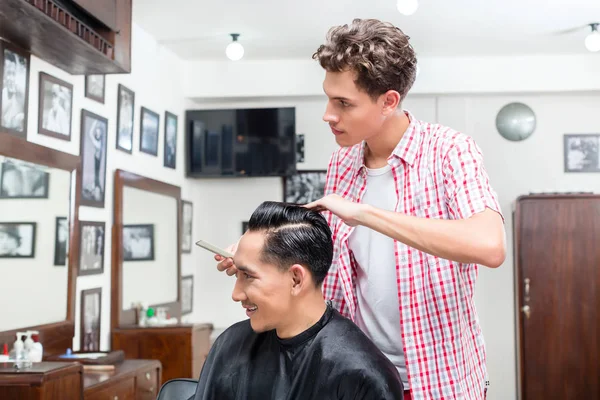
[(34, 200), (39, 246), (146, 242), (149, 248)]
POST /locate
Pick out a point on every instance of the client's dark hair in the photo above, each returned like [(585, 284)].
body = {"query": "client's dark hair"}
[(294, 235)]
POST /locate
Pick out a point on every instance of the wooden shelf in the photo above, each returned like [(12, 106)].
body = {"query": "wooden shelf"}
[(53, 34)]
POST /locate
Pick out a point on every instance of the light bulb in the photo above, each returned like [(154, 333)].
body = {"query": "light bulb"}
[(592, 41), (407, 7), (234, 51)]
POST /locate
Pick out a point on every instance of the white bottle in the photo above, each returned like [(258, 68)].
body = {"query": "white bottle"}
[(18, 346), (37, 350)]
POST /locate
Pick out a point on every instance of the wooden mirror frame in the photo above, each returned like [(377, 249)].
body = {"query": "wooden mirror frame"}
[(119, 317), (56, 337)]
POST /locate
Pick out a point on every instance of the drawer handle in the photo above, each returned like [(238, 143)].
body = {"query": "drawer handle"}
[(147, 375)]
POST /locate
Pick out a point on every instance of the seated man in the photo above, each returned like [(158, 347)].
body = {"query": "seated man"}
[(294, 345)]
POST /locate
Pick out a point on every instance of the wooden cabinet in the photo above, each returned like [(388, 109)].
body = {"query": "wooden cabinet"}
[(181, 349), (131, 380), (104, 11), (44, 381)]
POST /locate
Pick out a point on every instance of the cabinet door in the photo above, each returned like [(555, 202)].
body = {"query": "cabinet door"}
[(103, 10), (124, 390)]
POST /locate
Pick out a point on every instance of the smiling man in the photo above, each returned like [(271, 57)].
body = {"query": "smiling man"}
[(294, 345)]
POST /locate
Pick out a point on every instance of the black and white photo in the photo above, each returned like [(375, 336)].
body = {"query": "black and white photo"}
[(91, 311), (55, 107), (187, 294), (61, 241), (170, 149), (581, 152), (138, 242), (186, 237), (91, 251), (93, 153), (300, 147), (14, 67), (22, 180), (94, 87), (17, 239), (149, 126), (304, 186), (125, 113)]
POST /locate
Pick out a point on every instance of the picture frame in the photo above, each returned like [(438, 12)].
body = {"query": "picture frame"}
[(14, 68), (90, 319), (149, 128), (304, 186), (187, 213), (95, 87), (581, 152), (187, 294), (170, 140), (55, 107), (19, 239), (94, 135), (61, 241), (91, 250), (300, 148), (138, 242), (23, 180), (125, 116)]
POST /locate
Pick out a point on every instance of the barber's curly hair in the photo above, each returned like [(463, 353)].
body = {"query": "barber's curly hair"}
[(379, 52)]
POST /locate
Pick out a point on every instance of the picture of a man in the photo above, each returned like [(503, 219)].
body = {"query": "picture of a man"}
[(14, 91)]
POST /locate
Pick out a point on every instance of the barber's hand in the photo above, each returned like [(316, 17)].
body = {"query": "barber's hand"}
[(346, 210), (226, 263)]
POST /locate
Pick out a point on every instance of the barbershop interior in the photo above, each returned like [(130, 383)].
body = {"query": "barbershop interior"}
[(131, 130)]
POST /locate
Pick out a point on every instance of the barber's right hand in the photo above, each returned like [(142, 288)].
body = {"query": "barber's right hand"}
[(226, 263)]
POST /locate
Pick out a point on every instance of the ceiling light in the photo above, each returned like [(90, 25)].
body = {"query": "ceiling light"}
[(592, 41), (234, 50), (407, 7)]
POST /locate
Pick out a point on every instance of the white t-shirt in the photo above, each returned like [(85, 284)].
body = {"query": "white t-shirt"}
[(377, 312)]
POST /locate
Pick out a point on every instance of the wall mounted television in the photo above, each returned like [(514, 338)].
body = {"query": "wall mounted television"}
[(240, 142)]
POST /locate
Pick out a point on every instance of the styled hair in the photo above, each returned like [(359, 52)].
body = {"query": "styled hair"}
[(294, 235), (379, 53)]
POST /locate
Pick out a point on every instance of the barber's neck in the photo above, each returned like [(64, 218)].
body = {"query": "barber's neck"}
[(381, 145), (306, 312)]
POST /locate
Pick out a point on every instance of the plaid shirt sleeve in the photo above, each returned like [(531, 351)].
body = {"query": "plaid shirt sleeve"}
[(332, 288), (467, 186)]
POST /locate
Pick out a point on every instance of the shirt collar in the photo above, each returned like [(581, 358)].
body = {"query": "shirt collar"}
[(406, 149)]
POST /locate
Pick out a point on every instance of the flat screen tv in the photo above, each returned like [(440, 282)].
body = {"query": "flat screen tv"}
[(241, 142)]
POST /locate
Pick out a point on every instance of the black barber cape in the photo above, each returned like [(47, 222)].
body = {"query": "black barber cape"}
[(333, 359)]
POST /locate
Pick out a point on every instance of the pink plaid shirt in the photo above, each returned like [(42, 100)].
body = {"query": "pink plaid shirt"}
[(438, 173)]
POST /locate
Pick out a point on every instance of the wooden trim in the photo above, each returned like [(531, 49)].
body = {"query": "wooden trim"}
[(118, 316), (56, 337)]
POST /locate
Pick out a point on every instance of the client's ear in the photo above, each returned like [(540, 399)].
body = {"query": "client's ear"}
[(300, 278)]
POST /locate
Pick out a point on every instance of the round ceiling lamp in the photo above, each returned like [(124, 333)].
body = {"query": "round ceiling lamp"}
[(234, 50), (592, 41), (407, 7)]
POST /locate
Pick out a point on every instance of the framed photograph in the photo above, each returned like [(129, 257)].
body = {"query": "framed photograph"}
[(581, 152), (186, 219), (149, 121), (94, 87), (55, 107), (138, 242), (61, 241), (244, 226), (300, 147), (91, 251), (125, 111), (170, 150), (91, 312), (22, 180), (14, 69), (187, 294), (93, 153), (17, 239), (304, 186)]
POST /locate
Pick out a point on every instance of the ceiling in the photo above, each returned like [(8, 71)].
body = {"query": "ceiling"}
[(280, 29)]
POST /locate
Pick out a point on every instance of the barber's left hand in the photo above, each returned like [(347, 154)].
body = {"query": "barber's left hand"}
[(346, 210)]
